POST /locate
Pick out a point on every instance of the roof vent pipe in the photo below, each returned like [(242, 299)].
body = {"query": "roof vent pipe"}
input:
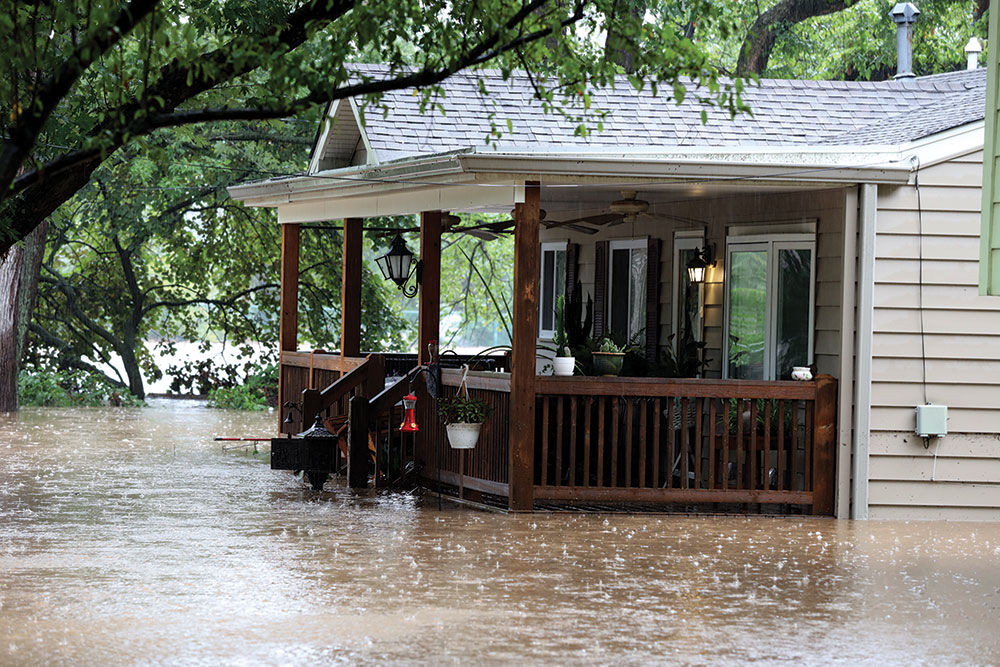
[(905, 15), (972, 51)]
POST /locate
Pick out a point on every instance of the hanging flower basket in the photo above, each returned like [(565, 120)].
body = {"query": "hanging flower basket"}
[(463, 436), (464, 416)]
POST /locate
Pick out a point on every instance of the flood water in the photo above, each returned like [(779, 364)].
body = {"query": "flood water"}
[(130, 537)]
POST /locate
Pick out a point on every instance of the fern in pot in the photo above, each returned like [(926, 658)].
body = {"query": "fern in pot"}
[(463, 417), (564, 362)]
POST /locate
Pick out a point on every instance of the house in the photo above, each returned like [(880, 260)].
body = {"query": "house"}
[(841, 225)]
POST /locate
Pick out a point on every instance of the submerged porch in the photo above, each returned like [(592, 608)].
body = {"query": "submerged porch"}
[(703, 445), (699, 444)]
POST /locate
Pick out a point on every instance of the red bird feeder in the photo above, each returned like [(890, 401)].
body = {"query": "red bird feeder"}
[(409, 424)]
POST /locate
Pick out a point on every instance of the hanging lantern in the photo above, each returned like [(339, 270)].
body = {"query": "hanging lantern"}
[(396, 263), (409, 424), (703, 258)]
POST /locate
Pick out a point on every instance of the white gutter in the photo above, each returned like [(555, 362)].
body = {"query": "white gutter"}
[(867, 219), (495, 168)]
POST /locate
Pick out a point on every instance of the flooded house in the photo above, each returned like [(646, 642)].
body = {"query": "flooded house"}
[(836, 227)]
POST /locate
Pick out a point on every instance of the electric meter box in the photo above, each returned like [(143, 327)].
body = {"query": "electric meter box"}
[(932, 420)]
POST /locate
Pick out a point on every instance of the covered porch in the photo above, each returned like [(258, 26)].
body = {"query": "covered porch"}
[(720, 441)]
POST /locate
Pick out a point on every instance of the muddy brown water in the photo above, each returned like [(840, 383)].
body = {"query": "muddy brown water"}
[(130, 537)]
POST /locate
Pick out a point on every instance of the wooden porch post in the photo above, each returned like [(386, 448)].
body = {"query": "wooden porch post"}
[(350, 291), (522, 378), (288, 325), (824, 445), (430, 285)]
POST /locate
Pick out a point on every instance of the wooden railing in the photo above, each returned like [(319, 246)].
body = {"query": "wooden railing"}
[(483, 469), (310, 383), (394, 449), (686, 441)]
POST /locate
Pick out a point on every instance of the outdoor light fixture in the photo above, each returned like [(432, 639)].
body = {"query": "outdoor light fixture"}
[(396, 266), (703, 258), (409, 424)]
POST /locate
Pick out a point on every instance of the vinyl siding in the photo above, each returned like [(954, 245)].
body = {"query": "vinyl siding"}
[(958, 476)]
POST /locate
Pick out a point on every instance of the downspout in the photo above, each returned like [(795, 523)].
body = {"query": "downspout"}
[(868, 207)]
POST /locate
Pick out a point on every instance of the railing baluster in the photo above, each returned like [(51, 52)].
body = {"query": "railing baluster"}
[(615, 439), (740, 446), (712, 443), (629, 439), (753, 463), (807, 481), (782, 463), (586, 439), (657, 418), (572, 439), (643, 409), (767, 444), (726, 443), (699, 405), (560, 441), (545, 440), (601, 440), (685, 443), (672, 442)]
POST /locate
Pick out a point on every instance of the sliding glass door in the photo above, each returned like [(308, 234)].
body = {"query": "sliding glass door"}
[(769, 305)]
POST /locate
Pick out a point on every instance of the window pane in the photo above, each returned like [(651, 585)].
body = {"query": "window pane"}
[(548, 303), (619, 305), (637, 295), (747, 313), (687, 294), (792, 340), (560, 276)]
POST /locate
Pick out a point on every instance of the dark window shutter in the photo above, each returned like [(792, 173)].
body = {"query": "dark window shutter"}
[(601, 249), (572, 268), (652, 296)]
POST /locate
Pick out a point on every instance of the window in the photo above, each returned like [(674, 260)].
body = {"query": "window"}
[(551, 284), (688, 301), (770, 299), (627, 289)]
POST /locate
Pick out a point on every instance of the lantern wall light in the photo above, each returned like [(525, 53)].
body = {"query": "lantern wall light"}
[(703, 258), (398, 266)]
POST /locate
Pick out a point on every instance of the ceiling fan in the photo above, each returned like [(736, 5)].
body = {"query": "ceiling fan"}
[(626, 209)]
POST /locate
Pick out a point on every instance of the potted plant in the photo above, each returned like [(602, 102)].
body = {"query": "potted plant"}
[(608, 357), (564, 362), (463, 418)]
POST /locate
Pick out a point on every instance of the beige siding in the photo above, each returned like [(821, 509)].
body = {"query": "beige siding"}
[(960, 343)]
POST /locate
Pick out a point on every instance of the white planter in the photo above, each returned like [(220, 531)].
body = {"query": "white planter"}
[(563, 365), (463, 436), (801, 373)]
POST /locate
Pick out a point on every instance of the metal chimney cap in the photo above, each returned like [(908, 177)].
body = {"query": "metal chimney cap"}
[(974, 45), (904, 12)]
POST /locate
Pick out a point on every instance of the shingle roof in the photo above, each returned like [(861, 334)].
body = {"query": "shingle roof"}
[(784, 113)]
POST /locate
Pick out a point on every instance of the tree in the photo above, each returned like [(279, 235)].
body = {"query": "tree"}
[(154, 247), (87, 80), (759, 41)]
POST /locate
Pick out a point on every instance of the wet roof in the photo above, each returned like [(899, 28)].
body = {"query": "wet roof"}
[(784, 113)]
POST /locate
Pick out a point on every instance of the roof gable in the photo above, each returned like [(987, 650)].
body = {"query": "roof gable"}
[(341, 141)]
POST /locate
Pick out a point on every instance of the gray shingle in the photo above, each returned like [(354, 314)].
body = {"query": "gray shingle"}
[(784, 113)]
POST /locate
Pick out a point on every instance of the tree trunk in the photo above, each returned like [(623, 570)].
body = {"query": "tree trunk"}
[(18, 290), (10, 279), (759, 42), (132, 371), (624, 28)]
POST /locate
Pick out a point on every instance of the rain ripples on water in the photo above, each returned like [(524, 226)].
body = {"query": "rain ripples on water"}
[(129, 536)]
